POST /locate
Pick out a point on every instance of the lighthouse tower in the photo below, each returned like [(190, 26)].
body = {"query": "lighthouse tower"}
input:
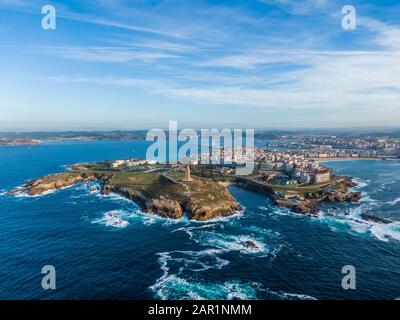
[(187, 174)]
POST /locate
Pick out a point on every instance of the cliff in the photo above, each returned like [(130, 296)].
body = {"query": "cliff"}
[(200, 199), (166, 195), (52, 182)]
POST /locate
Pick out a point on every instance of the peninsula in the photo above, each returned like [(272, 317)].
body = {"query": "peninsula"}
[(160, 189), (19, 142), (199, 191)]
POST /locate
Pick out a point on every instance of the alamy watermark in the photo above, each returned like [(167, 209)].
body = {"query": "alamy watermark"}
[(349, 19), (204, 146), (349, 280), (49, 280), (49, 21)]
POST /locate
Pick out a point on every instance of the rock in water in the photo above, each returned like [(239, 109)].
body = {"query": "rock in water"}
[(105, 191), (370, 217), (251, 244), (14, 191)]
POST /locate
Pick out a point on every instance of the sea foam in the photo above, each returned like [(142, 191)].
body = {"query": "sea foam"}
[(182, 279), (113, 219), (259, 242), (394, 202)]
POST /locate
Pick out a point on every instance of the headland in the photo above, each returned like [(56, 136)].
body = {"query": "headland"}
[(199, 191)]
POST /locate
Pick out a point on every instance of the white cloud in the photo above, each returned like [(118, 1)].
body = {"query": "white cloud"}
[(363, 80), (103, 54), (386, 36), (299, 7), (120, 25), (345, 81), (232, 66)]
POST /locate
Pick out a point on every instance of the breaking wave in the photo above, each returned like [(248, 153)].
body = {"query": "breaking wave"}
[(394, 202), (176, 283), (351, 220), (260, 242), (173, 287), (289, 296), (113, 219), (360, 183)]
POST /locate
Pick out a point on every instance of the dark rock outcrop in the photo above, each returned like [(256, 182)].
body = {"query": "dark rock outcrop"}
[(343, 196), (306, 208), (370, 217), (251, 244), (105, 190)]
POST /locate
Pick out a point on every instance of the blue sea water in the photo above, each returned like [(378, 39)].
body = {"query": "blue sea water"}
[(148, 257)]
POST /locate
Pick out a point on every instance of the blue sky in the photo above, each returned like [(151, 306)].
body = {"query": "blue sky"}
[(115, 64)]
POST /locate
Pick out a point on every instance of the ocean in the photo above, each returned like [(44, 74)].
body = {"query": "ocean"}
[(148, 257)]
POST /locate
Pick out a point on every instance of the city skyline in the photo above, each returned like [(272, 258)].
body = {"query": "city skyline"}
[(262, 64)]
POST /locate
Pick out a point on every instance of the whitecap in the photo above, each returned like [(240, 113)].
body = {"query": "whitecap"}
[(366, 198), (283, 211), (245, 244), (357, 225), (149, 221), (350, 220), (189, 230), (230, 218), (360, 183), (259, 241), (24, 194), (394, 202), (113, 219), (113, 196), (262, 231), (292, 296), (183, 285), (175, 264), (173, 287), (385, 232)]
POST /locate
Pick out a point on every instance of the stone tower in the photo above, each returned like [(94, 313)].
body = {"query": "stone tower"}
[(187, 173)]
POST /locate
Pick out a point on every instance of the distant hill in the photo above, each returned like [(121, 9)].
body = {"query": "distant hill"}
[(76, 135)]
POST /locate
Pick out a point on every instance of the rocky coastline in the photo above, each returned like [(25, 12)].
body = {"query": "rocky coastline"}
[(52, 182), (163, 197), (200, 199), (172, 206), (303, 201)]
